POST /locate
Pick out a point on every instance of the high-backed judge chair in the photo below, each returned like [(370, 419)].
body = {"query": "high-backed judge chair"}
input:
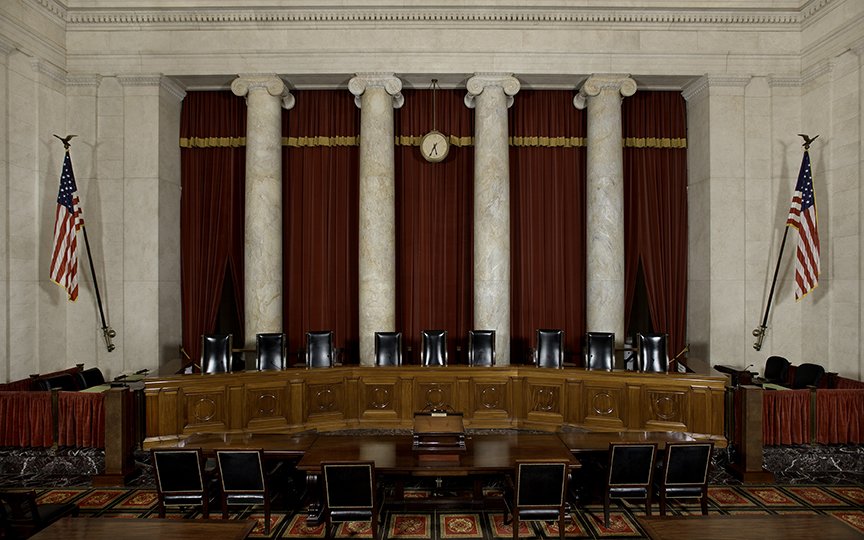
[(684, 474), (599, 350), (88, 378), (630, 474), (388, 348), (20, 516), (433, 348), (350, 493), (270, 351), (481, 347), (651, 353), (180, 479), (549, 352), (216, 353), (807, 375), (64, 382), (776, 371), (320, 351), (538, 494), (242, 481)]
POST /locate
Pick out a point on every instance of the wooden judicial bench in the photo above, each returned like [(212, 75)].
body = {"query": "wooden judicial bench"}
[(350, 397)]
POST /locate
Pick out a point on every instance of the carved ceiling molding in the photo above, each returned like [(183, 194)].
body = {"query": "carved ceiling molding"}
[(84, 18)]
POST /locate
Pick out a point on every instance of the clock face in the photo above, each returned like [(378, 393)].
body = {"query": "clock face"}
[(434, 146)]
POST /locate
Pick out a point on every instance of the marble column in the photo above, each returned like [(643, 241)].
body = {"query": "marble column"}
[(377, 94), (490, 94), (265, 96), (602, 94)]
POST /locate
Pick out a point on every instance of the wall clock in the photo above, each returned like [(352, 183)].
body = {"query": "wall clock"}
[(434, 146)]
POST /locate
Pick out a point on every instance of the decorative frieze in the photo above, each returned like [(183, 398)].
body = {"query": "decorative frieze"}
[(53, 73), (694, 89)]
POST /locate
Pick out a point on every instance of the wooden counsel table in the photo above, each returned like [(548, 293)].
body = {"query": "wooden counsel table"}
[(394, 455), (72, 528), (767, 527), (599, 441), (274, 445)]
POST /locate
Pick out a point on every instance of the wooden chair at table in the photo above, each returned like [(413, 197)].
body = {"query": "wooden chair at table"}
[(630, 474), (350, 493), (538, 494), (19, 513), (685, 473), (242, 481), (180, 479)]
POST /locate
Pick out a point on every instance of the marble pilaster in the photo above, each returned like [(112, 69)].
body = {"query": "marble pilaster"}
[(490, 94), (377, 94), (602, 95), (265, 94)]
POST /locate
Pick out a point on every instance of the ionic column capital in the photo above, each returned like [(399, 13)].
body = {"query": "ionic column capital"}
[(506, 81), (616, 82), (392, 84), (274, 86)]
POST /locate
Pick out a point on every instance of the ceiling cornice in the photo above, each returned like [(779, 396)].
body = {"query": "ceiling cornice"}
[(455, 16)]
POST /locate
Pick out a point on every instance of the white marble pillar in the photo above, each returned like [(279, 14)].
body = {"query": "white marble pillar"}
[(377, 94), (490, 94), (602, 95), (265, 95)]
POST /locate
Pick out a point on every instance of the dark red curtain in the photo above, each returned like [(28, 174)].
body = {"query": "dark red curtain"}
[(212, 174), (81, 419), (840, 416), (25, 419), (654, 126), (320, 213), (434, 221), (786, 417), (547, 218)]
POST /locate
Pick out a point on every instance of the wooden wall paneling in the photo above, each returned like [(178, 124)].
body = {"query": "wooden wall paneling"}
[(325, 399), (489, 402), (264, 405), (296, 413), (603, 404), (380, 400), (434, 390), (205, 408), (463, 398), (235, 407), (667, 409), (352, 401), (634, 405), (544, 398)]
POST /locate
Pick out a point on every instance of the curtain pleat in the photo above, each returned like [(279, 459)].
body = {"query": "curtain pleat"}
[(320, 217), (212, 210), (434, 221), (840, 416), (786, 417), (547, 219), (25, 419), (81, 419), (655, 209)]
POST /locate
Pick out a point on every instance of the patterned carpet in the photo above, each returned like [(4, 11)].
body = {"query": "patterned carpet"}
[(845, 502)]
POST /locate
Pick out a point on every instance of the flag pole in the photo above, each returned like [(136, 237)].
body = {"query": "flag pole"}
[(107, 331), (759, 332)]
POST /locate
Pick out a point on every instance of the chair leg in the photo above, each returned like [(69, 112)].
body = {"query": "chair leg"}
[(704, 502), (606, 510), (562, 524), (648, 504), (662, 502), (515, 524), (266, 515)]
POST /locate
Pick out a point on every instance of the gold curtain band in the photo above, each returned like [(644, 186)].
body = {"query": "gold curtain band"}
[(654, 142), (549, 142), (212, 142), (410, 140), (309, 142)]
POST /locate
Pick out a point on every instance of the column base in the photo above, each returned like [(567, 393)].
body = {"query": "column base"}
[(759, 476), (107, 479)]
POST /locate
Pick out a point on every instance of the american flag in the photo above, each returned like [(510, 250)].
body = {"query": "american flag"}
[(64, 259), (802, 216)]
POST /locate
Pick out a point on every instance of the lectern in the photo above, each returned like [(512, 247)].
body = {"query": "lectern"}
[(438, 436)]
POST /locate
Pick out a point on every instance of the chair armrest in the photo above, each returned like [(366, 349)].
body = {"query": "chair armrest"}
[(531, 353)]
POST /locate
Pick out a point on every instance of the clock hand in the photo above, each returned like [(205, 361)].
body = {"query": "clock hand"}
[(434, 150)]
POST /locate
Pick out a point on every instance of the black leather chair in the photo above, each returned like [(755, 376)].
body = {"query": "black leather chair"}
[(64, 382), (807, 375), (320, 351), (180, 479), (651, 353), (599, 350), (89, 378), (350, 493), (630, 474), (388, 348), (776, 371), (216, 353), (242, 481), (269, 351), (481, 347), (549, 352), (538, 494), (22, 517), (433, 348), (684, 474)]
